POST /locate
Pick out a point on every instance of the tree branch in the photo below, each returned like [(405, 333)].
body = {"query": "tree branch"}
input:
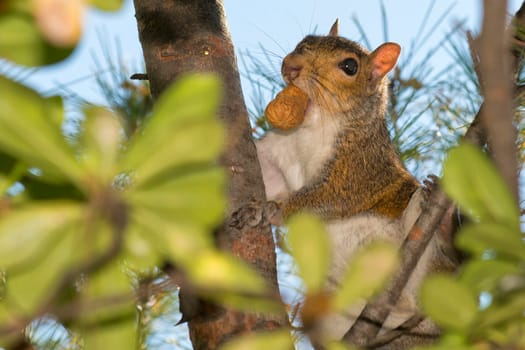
[(498, 114), (179, 37)]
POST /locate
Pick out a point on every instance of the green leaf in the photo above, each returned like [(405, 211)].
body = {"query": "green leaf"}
[(485, 275), (311, 249), (139, 250), (248, 303), (479, 238), (508, 311), (22, 42), (27, 289), (212, 270), (107, 5), (109, 282), (192, 195), (278, 340), (29, 131), (108, 319), (448, 302), (27, 233), (119, 333), (369, 270), (183, 130), (101, 143), (472, 180), (180, 241)]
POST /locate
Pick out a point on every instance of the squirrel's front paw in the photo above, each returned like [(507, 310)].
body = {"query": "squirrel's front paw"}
[(256, 213)]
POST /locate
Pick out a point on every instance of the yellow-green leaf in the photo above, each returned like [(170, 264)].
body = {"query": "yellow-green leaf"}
[(212, 270), (278, 340), (183, 131), (101, 141), (26, 234), (22, 42), (29, 132), (28, 288), (448, 302), (311, 249), (473, 181), (369, 270), (118, 334), (485, 275), (180, 241), (107, 5), (500, 238), (192, 195)]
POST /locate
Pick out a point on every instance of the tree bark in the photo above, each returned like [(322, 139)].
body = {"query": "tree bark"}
[(497, 85), (180, 37)]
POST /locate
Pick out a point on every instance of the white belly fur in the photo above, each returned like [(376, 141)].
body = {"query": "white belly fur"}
[(349, 236)]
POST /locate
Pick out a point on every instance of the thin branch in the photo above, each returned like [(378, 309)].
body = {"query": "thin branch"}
[(498, 115), (363, 333)]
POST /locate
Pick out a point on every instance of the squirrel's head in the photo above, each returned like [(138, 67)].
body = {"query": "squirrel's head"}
[(338, 74)]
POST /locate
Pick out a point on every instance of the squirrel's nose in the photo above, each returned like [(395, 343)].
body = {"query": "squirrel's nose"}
[(291, 68)]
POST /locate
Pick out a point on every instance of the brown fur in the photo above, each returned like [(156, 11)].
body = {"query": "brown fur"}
[(365, 173)]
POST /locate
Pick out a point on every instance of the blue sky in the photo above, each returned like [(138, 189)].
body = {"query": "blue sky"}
[(274, 25)]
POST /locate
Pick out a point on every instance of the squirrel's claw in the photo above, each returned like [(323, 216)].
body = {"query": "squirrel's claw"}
[(255, 214)]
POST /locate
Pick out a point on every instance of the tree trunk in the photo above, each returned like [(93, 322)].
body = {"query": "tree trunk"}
[(179, 37)]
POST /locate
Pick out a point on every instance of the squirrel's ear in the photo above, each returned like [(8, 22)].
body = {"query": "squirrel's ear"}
[(334, 31), (383, 59)]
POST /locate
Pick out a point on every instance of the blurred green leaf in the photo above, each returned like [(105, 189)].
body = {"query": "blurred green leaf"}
[(448, 302), (119, 333), (139, 250), (484, 275), (23, 6), (108, 318), (179, 241), (479, 238), (471, 180), (248, 303), (27, 289), (29, 132), (192, 194), (183, 130), (278, 340), (311, 249), (101, 143), (369, 270), (107, 5), (22, 42), (506, 311), (109, 283), (7, 163), (212, 270), (28, 232), (37, 188)]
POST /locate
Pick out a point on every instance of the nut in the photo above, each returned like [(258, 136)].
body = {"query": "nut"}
[(287, 109)]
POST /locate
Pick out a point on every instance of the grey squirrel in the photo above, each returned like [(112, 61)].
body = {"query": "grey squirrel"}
[(340, 163)]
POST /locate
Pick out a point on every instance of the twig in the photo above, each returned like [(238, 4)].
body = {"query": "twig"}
[(362, 332)]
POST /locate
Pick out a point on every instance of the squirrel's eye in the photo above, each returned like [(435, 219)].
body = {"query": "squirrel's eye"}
[(349, 66)]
